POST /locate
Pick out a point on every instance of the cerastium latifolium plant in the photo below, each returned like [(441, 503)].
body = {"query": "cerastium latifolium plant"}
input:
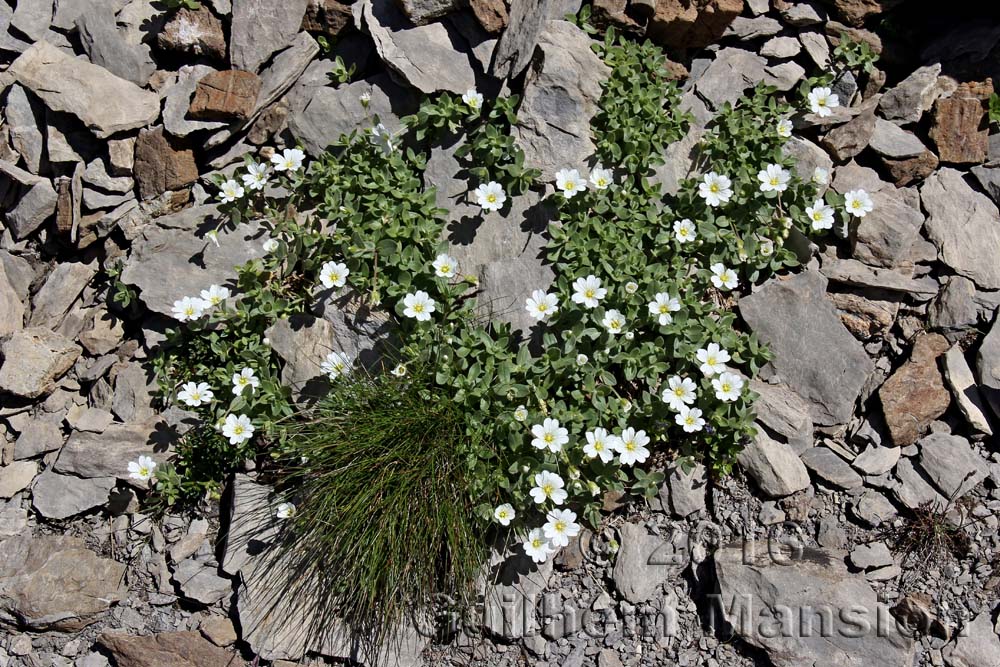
[(639, 360)]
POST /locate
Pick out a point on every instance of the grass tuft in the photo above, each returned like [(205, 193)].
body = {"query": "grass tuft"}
[(377, 470)]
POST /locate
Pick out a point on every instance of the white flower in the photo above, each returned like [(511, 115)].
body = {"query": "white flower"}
[(715, 189), (444, 266), (285, 511), (399, 371), (270, 245), (537, 546), (582, 359), (365, 98), (601, 444), (857, 202), (195, 393), (189, 308), (289, 160), (541, 305), (588, 291), (613, 321), (382, 137), (690, 419), (822, 101), (335, 365), (142, 469), (679, 392), (504, 514), (237, 428), (245, 378), (473, 100), (820, 176), (560, 526), (766, 247), (631, 446), (784, 128), (724, 278), (520, 413), (570, 182), (490, 196), (773, 178), (662, 305), (334, 274), (820, 215), (230, 191), (727, 386), (601, 178), (256, 176), (685, 231), (549, 434), (418, 305), (631, 287), (548, 485), (629, 335), (713, 359), (214, 295)]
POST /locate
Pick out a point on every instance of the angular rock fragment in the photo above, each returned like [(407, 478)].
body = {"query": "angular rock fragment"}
[(684, 24), (56, 496), (915, 395), (197, 32), (774, 466), (162, 163), (231, 94), (262, 27), (108, 47), (33, 359)]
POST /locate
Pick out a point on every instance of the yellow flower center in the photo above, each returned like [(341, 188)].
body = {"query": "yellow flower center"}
[(679, 392), (491, 198), (418, 307), (589, 293), (726, 386), (542, 307), (560, 526), (598, 446), (714, 187), (689, 420), (614, 324), (664, 309), (570, 185), (630, 445), (144, 471), (536, 543), (774, 180), (817, 215), (237, 430), (548, 489), (548, 437)]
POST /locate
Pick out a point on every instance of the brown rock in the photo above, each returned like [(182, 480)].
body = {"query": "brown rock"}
[(197, 32), (328, 17), (915, 395), (691, 23), (269, 123), (491, 14), (612, 13), (911, 170), (167, 649), (960, 130), (162, 163), (863, 317), (836, 30), (856, 12), (219, 630), (851, 138), (225, 95)]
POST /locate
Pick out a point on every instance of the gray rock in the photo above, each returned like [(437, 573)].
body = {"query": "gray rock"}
[(784, 76), (914, 490), (93, 420), (107, 46), (510, 598), (38, 437), (319, 115), (871, 556), (876, 460), (424, 11), (951, 463), (873, 508), (807, 156), (910, 98), (748, 29), (95, 200), (964, 225), (781, 47), (853, 272), (955, 308), (177, 100), (13, 521), (121, 156), (831, 468), (284, 70), (645, 562), (35, 203), (11, 305), (23, 127), (774, 466), (687, 490), (885, 236), (851, 176), (32, 17), (107, 454), (977, 646), (817, 47), (852, 137), (731, 73), (262, 27), (56, 496), (176, 246), (96, 174), (801, 14), (33, 359), (62, 287), (560, 98), (16, 476), (678, 161), (200, 583), (104, 102), (989, 179), (517, 44), (891, 141), (784, 412), (425, 56), (133, 395), (960, 380), (815, 355), (756, 588), (56, 583), (988, 367)]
